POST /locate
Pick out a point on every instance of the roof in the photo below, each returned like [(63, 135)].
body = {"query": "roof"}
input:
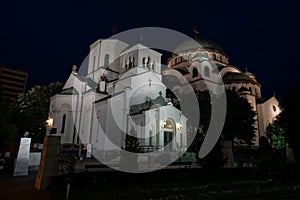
[(89, 81), (230, 77), (198, 43), (159, 101), (139, 108), (182, 70), (69, 91)]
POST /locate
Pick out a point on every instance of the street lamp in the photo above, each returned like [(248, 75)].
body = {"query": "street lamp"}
[(49, 124)]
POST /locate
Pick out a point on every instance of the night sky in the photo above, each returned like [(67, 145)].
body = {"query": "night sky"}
[(47, 37)]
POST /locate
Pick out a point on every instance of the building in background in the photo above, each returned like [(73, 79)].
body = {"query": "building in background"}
[(12, 82), (202, 67)]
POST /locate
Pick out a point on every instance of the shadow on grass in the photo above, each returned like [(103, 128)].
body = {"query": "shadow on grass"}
[(177, 184)]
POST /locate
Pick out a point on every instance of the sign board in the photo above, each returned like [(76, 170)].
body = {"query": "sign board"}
[(22, 162), (88, 150)]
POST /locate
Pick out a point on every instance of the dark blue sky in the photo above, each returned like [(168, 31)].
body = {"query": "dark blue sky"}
[(47, 37)]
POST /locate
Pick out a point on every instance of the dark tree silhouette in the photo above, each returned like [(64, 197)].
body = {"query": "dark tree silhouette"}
[(240, 119), (288, 119), (132, 143), (31, 110)]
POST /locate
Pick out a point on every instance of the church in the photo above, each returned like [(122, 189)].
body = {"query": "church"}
[(122, 92), (199, 66)]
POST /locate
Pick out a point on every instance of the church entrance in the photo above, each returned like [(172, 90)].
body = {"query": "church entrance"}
[(169, 134), (168, 137)]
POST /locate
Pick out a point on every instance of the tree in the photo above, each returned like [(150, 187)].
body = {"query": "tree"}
[(204, 103), (240, 119), (215, 158), (31, 110), (276, 134), (132, 143), (288, 119)]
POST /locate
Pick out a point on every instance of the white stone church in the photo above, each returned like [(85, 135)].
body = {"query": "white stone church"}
[(122, 92)]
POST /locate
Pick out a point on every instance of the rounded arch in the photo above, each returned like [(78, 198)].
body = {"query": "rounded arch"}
[(226, 69), (169, 134)]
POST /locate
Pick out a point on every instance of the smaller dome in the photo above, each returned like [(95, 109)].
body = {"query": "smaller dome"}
[(251, 75), (234, 76)]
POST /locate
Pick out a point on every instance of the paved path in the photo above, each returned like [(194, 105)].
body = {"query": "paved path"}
[(16, 188)]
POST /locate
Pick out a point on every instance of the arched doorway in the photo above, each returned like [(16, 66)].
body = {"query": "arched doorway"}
[(169, 134)]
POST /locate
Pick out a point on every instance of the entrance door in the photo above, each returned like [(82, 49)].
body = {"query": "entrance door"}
[(168, 136)]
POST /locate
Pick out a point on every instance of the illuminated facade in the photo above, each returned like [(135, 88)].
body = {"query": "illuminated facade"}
[(199, 66), (121, 92), (202, 67)]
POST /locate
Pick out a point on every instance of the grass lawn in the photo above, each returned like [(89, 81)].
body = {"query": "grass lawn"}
[(176, 184)]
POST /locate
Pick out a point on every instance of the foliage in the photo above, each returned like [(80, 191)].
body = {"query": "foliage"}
[(31, 109), (66, 163), (276, 134), (204, 103), (132, 143), (215, 159), (288, 119), (240, 119)]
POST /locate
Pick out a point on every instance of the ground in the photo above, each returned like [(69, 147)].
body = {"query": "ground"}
[(163, 184), (20, 188)]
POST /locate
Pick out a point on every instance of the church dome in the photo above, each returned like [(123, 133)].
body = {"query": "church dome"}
[(191, 44), (234, 77), (250, 74)]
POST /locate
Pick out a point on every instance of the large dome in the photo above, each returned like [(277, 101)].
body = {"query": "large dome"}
[(194, 44)]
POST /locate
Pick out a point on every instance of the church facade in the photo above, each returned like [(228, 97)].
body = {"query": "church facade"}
[(121, 93)]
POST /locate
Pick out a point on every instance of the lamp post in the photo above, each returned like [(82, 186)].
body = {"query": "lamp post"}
[(49, 124)]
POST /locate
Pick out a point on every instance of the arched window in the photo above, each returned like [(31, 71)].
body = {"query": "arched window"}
[(195, 72), (214, 56), (148, 62), (144, 61), (63, 123), (206, 71), (153, 66), (106, 60), (233, 89)]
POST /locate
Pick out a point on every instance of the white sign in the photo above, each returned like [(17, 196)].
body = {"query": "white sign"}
[(89, 150), (22, 162)]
